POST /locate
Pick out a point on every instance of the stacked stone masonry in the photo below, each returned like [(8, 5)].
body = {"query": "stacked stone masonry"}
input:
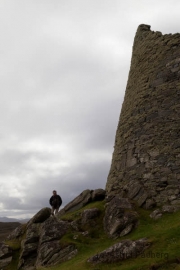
[(146, 160)]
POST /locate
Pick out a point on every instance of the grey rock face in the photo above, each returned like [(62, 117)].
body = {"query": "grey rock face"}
[(41, 216), (121, 251), (5, 255), (29, 246), (41, 245), (40, 242), (32, 233), (119, 217), (52, 229), (53, 252), (80, 201)]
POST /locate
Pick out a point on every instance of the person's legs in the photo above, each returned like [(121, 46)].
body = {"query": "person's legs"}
[(52, 211), (56, 210)]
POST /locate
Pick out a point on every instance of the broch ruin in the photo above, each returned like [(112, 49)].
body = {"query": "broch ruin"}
[(145, 169), (146, 160)]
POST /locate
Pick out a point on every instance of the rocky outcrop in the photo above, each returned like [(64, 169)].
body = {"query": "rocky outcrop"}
[(30, 245), (5, 255), (80, 201), (40, 239), (121, 251), (41, 245), (52, 253), (120, 218)]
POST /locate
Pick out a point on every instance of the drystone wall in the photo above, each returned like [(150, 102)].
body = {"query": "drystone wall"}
[(146, 159)]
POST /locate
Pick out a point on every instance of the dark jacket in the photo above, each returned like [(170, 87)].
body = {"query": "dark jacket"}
[(55, 201)]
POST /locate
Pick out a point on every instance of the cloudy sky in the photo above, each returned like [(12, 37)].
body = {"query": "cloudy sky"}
[(63, 71)]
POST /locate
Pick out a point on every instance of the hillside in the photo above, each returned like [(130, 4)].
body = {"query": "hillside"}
[(6, 228), (163, 234), (6, 219)]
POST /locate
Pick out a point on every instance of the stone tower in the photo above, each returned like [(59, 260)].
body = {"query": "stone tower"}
[(146, 160)]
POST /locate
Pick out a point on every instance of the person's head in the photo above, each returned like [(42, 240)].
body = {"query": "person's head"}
[(54, 192)]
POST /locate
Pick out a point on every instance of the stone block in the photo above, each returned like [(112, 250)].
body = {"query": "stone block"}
[(120, 251)]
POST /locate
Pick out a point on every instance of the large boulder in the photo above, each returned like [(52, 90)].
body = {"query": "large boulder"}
[(41, 216), (41, 243), (53, 252), (5, 255), (52, 229), (121, 251), (120, 218), (80, 201), (29, 246), (83, 199)]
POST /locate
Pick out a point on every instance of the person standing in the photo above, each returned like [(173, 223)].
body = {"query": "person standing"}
[(55, 202)]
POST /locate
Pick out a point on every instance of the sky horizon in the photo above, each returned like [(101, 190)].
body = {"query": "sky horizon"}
[(64, 69)]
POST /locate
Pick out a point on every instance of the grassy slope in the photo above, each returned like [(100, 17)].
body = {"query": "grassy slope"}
[(164, 235)]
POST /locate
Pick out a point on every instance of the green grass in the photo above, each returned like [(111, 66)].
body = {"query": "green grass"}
[(164, 235), (15, 244), (14, 263)]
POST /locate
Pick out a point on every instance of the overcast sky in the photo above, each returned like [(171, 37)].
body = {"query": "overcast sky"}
[(63, 72)]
